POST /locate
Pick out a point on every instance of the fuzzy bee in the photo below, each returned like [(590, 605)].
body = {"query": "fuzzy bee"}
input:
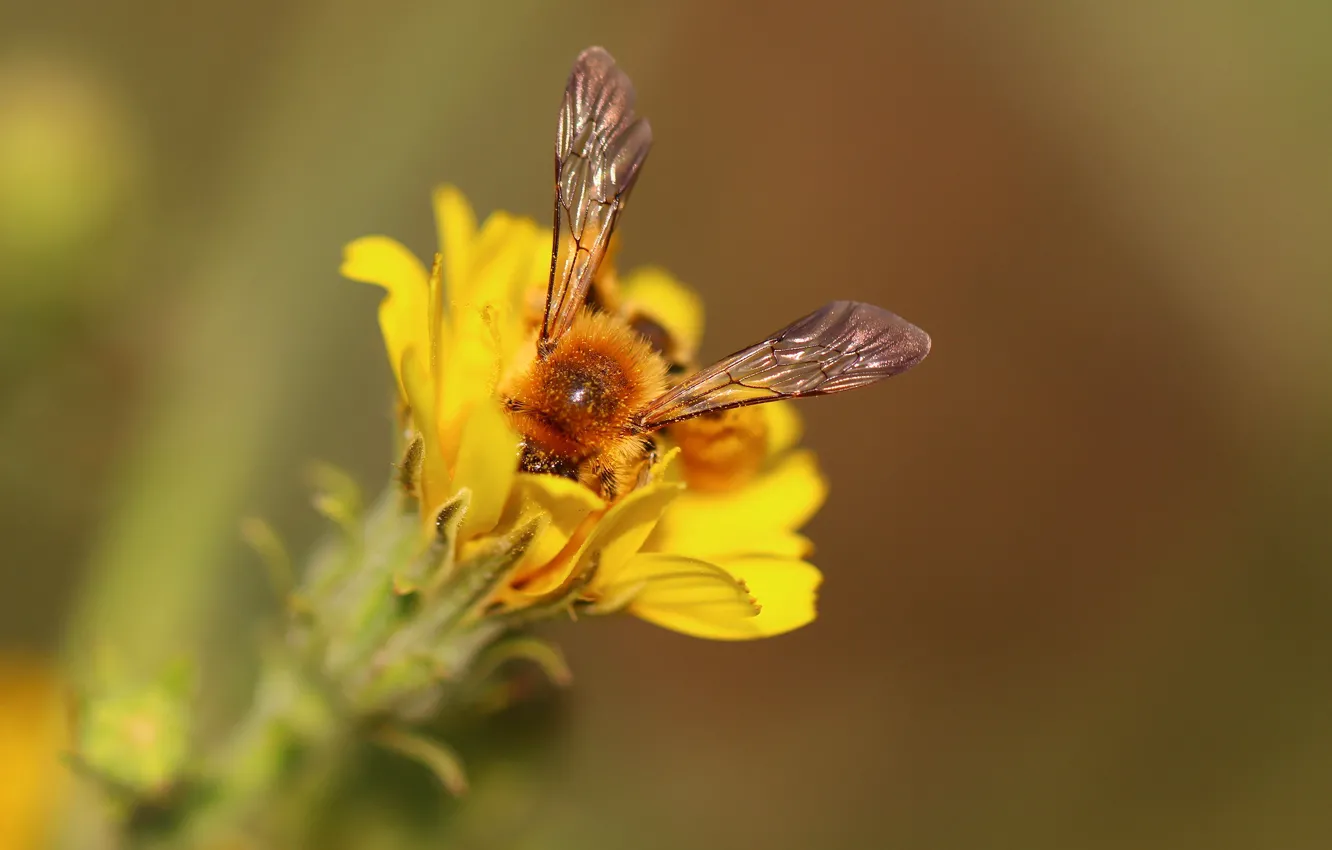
[(596, 391)]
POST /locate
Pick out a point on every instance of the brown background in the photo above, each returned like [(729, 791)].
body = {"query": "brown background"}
[(1077, 563)]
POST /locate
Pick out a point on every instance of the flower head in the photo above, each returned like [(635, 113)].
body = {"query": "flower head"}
[(707, 543)]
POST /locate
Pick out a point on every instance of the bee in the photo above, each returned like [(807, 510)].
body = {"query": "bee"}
[(597, 391)]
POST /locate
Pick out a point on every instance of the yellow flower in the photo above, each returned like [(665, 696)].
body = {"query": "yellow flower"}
[(32, 737), (447, 334), (750, 530), (725, 564)]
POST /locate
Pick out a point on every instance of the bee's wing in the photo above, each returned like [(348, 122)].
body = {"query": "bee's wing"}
[(838, 347), (599, 148)]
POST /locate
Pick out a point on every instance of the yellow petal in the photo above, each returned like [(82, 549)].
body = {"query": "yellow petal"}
[(784, 590), (470, 370), (527, 281), (485, 316), (436, 324), (672, 304), (434, 485), (487, 464), (684, 594), (777, 544), (625, 528), (568, 504), (758, 518), (402, 314), (784, 426), (456, 223), (509, 255), (668, 467), (618, 534)]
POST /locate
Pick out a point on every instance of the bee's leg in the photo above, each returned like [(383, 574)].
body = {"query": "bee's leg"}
[(514, 405), (533, 459), (529, 459), (649, 446), (606, 478)]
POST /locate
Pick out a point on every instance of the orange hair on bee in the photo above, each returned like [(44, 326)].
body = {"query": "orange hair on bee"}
[(579, 400)]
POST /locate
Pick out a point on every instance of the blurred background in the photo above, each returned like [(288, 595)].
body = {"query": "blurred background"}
[(1078, 574)]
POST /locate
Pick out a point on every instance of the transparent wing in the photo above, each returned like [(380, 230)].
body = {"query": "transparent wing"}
[(599, 148), (838, 347)]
